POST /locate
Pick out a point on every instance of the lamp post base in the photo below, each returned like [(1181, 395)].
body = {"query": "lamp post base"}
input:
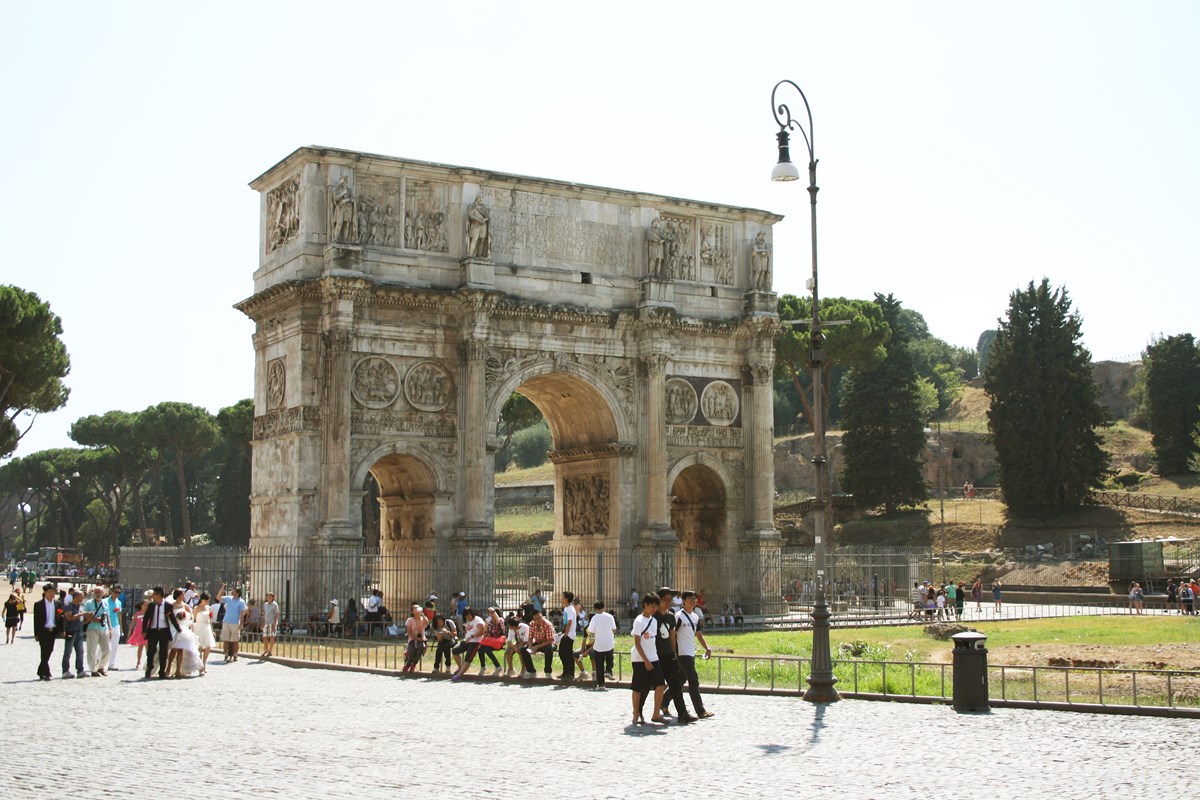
[(821, 679)]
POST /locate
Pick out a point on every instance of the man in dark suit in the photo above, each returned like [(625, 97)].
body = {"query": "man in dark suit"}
[(48, 625), (156, 627)]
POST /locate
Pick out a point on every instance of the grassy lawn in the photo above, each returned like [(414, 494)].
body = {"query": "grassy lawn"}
[(541, 474), (527, 522), (778, 660)]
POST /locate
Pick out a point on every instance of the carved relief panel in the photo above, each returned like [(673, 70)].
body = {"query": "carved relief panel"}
[(283, 214), (585, 505), (425, 216), (720, 403), (681, 401), (679, 247), (376, 382), (716, 251), (377, 213), (276, 384), (428, 387)]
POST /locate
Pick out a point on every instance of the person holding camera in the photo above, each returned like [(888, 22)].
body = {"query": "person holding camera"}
[(95, 621)]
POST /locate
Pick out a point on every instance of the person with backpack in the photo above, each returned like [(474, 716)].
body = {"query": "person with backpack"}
[(647, 672), (687, 633)]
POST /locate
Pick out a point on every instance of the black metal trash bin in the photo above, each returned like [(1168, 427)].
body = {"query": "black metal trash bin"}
[(970, 672)]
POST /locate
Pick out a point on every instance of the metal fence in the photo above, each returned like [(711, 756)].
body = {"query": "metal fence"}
[(765, 581), (1166, 504), (1086, 688)]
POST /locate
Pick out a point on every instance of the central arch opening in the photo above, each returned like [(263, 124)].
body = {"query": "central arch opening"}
[(582, 432)]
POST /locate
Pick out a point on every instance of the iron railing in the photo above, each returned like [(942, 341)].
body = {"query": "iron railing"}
[(1049, 686)]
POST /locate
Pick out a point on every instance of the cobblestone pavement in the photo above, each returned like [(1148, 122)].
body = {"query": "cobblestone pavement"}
[(266, 730)]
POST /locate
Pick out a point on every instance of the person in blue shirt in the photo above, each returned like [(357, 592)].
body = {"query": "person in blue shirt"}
[(115, 608), (95, 618), (231, 623), (73, 613)]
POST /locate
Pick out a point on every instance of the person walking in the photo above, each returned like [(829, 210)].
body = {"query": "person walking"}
[(95, 620), (687, 633), (270, 624), (11, 618), (134, 637), (157, 625), (115, 607), (977, 593), (73, 630), (667, 655), (647, 672), (48, 625), (602, 627), (202, 626), (566, 642), (997, 594)]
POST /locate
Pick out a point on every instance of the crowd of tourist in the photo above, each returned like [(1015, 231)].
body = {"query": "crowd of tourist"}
[(175, 633)]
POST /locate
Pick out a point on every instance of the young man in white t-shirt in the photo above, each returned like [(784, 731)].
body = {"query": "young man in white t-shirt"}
[(687, 631), (647, 672), (602, 627), (518, 640), (566, 643)]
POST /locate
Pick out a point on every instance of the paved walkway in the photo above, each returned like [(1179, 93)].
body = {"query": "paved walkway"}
[(265, 730)]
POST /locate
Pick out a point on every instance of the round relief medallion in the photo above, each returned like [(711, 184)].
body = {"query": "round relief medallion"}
[(681, 402), (276, 383), (376, 382), (427, 386), (720, 403)]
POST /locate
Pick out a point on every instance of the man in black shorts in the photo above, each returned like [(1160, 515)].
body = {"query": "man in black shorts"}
[(647, 672), (667, 656)]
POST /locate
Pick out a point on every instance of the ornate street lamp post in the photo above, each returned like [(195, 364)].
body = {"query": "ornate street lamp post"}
[(821, 679)]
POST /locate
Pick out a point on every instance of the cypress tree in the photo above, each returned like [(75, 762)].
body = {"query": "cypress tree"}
[(1045, 405), (884, 430), (1171, 400)]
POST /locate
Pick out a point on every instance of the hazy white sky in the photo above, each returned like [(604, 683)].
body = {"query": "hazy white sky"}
[(965, 149)]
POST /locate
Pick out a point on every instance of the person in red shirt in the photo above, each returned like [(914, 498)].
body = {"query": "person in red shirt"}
[(541, 638)]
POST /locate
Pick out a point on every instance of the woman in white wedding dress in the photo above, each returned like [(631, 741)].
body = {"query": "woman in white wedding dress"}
[(205, 639), (185, 647)]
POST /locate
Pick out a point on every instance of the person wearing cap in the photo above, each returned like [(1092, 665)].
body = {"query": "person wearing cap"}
[(115, 607), (73, 628), (333, 618), (95, 620)]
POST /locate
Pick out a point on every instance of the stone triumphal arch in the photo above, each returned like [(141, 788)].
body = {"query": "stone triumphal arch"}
[(397, 306)]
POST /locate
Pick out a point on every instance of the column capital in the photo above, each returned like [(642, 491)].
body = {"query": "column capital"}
[(473, 350), (654, 363), (760, 373)]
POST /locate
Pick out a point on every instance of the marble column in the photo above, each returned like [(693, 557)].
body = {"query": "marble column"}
[(475, 436), (658, 510), (335, 420), (760, 477)]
